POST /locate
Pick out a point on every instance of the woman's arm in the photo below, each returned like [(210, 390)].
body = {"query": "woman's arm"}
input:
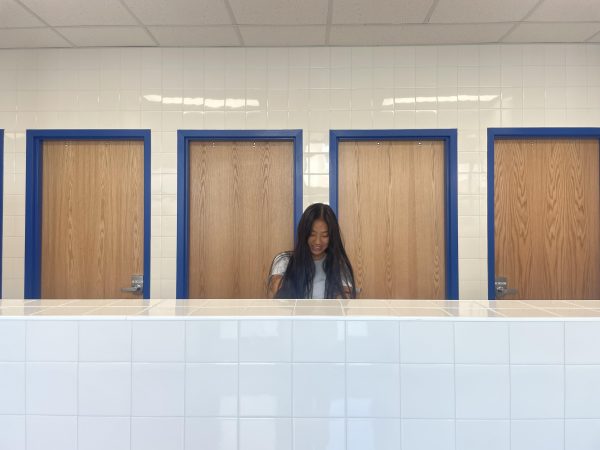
[(274, 285)]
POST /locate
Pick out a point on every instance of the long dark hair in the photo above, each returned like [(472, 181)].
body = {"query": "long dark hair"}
[(297, 281)]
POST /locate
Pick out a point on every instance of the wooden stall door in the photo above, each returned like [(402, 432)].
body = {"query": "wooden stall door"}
[(546, 217), (241, 215), (391, 213), (92, 218)]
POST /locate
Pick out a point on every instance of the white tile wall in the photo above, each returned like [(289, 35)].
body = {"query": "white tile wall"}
[(323, 400), (466, 87)]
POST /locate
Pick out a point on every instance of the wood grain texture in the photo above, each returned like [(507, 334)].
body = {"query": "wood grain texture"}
[(547, 217), (391, 212), (241, 215), (92, 218)]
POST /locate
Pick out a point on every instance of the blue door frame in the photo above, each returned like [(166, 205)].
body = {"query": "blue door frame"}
[(33, 198), (449, 137), (518, 133), (184, 137)]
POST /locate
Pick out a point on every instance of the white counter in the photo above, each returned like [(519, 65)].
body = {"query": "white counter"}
[(262, 375)]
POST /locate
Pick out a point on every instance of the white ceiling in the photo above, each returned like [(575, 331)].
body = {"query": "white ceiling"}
[(205, 23)]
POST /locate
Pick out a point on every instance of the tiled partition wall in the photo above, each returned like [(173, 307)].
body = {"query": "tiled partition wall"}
[(283, 384), (314, 89)]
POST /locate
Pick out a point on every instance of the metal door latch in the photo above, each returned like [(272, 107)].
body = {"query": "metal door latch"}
[(502, 288), (137, 285)]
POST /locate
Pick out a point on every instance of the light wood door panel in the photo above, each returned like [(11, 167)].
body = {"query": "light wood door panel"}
[(241, 215), (392, 215), (92, 217), (546, 217)]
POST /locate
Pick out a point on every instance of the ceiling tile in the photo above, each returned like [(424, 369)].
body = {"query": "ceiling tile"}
[(280, 12), (107, 36), (468, 11), (380, 11), (180, 12), (13, 15), (417, 34), (81, 12), (224, 36), (283, 36), (552, 32), (567, 11), (31, 38)]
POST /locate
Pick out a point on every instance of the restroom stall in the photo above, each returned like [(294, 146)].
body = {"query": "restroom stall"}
[(545, 215), (87, 224), (396, 207), (240, 199)]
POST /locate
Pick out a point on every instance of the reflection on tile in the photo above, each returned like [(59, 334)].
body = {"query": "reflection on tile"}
[(117, 311), (221, 303), (383, 312), (91, 302), (574, 312), (318, 311), (550, 303), (586, 303), (45, 302), (19, 311), (318, 303), (66, 311), (365, 303), (267, 311), (421, 312), (528, 312), (171, 311), (227, 312)]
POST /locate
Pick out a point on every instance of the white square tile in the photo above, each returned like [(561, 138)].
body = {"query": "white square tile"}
[(12, 388), (582, 392), (47, 432), (481, 342), (479, 434), (427, 391), (528, 434), (12, 432), (371, 341), (157, 433), (265, 434), (373, 390), (12, 340), (537, 343), (51, 340), (373, 434), (158, 389), (265, 341), (265, 390), (428, 434), (211, 389), (474, 397), (210, 433), (426, 342), (537, 392), (105, 340), (158, 341), (51, 388), (326, 434), (582, 434), (104, 389), (319, 390), (318, 341), (211, 341), (578, 335), (100, 433)]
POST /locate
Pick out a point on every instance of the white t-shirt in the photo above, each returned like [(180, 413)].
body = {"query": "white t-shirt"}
[(318, 290)]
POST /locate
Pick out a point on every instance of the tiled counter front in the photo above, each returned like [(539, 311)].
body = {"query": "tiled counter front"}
[(279, 383)]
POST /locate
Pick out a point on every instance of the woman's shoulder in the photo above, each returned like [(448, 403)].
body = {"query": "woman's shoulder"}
[(280, 263)]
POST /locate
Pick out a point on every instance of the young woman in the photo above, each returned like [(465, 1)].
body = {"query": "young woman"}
[(318, 267)]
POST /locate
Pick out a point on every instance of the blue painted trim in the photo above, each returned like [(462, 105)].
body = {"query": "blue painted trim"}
[(517, 133), (449, 136), (1, 202), (33, 197), (183, 184)]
